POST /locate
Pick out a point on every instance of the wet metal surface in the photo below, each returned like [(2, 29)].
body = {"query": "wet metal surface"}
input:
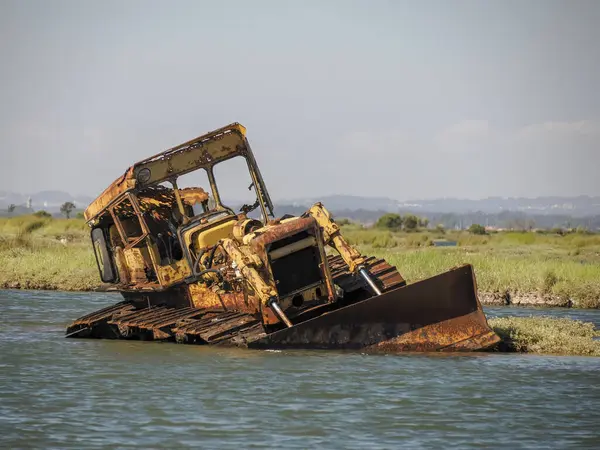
[(441, 313), (157, 317), (74, 394), (438, 313)]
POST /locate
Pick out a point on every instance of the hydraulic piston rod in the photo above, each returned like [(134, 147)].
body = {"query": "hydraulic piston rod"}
[(367, 277), (279, 312)]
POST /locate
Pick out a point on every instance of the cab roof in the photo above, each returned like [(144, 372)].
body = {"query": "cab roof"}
[(201, 152)]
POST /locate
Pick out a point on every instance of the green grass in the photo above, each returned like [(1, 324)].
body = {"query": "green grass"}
[(72, 229), (46, 254), (502, 272), (566, 268), (546, 335), (547, 265)]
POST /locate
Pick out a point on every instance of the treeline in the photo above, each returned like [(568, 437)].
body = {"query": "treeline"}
[(396, 222), (513, 220), (67, 209)]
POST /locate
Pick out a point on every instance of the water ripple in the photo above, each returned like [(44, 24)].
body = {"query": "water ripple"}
[(63, 393)]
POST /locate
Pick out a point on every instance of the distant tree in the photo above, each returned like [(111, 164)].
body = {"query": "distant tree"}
[(343, 221), (390, 221), (440, 228), (477, 229), (423, 222), (67, 208), (411, 222), (11, 208), (42, 213)]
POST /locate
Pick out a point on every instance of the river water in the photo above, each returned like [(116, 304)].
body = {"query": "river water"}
[(70, 393)]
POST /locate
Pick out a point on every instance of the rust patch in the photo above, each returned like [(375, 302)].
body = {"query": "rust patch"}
[(204, 297), (269, 235), (466, 333), (442, 311)]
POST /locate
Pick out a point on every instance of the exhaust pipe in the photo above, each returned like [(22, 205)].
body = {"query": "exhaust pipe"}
[(365, 274), (272, 303)]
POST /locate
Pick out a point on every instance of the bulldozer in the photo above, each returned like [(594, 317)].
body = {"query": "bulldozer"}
[(194, 270)]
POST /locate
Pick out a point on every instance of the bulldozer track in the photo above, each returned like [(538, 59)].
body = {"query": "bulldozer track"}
[(201, 326), (103, 314), (385, 275)]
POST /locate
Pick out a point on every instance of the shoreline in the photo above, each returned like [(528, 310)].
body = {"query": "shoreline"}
[(531, 299)]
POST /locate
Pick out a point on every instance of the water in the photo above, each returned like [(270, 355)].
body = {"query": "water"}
[(69, 393)]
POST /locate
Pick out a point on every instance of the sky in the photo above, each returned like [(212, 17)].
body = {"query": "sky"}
[(408, 100)]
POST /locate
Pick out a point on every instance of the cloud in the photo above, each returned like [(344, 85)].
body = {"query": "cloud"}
[(474, 159), (378, 142), (576, 129), (466, 135), (468, 129), (53, 136)]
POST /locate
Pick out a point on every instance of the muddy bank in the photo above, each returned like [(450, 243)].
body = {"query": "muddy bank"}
[(35, 286), (535, 299)]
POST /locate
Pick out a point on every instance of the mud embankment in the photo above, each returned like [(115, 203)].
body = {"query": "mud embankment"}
[(49, 286), (534, 299)]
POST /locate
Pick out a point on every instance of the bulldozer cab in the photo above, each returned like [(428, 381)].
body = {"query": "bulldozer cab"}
[(149, 225)]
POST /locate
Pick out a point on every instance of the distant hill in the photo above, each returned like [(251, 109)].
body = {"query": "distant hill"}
[(580, 206), (544, 212), (341, 202), (49, 201)]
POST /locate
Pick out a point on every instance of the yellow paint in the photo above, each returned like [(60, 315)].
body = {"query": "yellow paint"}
[(203, 297), (121, 264), (136, 265), (173, 273), (264, 289), (187, 157), (333, 237), (209, 237)]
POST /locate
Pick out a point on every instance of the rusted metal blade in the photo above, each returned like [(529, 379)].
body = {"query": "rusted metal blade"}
[(439, 313)]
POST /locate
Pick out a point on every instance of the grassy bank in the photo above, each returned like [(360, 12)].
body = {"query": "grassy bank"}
[(55, 253), (546, 335), (511, 267), (46, 254)]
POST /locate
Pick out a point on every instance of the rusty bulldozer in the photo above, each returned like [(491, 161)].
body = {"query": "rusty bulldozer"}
[(192, 270)]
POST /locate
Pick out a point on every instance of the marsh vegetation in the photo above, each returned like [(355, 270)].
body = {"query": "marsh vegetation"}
[(545, 268), (559, 336), (558, 269)]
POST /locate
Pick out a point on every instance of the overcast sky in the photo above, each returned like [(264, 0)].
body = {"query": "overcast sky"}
[(409, 100)]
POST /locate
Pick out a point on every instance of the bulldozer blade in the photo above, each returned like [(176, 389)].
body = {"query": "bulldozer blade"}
[(438, 313)]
